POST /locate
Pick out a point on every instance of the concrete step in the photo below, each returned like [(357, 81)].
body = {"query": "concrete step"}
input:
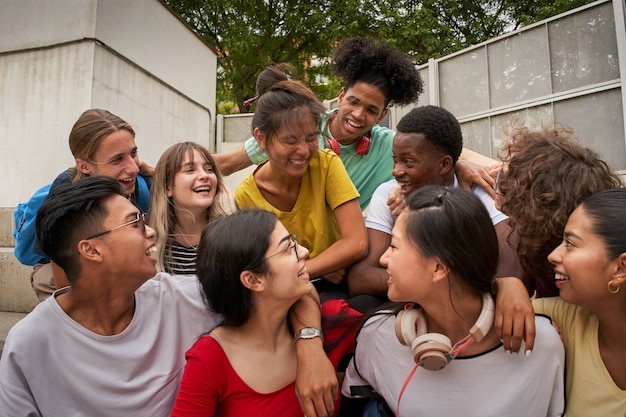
[(16, 293), (7, 320)]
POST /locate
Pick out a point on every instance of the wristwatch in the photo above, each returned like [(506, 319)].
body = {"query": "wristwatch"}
[(308, 333)]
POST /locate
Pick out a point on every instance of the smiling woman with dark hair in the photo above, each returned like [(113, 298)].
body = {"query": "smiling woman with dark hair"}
[(590, 271), (252, 271), (438, 353)]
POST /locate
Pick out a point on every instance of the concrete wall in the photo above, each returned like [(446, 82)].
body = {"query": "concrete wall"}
[(59, 58)]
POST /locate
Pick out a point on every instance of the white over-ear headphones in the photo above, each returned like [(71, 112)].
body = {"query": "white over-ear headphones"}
[(434, 351)]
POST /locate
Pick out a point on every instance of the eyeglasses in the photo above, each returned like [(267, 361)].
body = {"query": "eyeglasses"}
[(293, 243), (141, 219)]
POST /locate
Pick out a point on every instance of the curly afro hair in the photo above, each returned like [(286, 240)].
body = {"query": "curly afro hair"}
[(378, 64)]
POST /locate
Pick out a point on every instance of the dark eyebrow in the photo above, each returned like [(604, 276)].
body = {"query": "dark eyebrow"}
[(282, 240), (571, 235), (133, 215)]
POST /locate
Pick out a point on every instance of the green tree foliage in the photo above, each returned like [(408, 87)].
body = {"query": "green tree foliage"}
[(248, 35)]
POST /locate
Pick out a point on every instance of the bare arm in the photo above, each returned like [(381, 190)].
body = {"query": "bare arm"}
[(349, 248), (316, 380), (232, 161), (508, 260), (368, 276), (474, 168), (515, 317), (477, 158)]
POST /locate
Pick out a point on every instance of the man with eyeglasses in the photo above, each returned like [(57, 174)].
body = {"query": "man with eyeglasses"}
[(113, 343)]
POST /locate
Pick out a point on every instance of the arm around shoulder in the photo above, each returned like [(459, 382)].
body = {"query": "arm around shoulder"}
[(368, 276)]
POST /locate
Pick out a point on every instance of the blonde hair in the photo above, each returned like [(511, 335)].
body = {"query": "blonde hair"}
[(161, 215)]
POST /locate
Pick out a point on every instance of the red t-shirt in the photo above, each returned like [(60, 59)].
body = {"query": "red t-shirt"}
[(210, 386)]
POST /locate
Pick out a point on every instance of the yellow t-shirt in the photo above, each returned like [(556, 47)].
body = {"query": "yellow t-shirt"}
[(325, 186), (589, 388)]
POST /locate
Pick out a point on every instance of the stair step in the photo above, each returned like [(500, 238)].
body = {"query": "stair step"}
[(7, 320)]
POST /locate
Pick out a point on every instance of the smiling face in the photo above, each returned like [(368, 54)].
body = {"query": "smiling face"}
[(194, 186), (288, 276), (293, 147), (360, 108), (127, 251), (117, 158), (581, 264), (417, 162), (409, 271)]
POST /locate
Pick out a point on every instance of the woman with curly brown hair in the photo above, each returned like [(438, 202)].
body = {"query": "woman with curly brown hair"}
[(545, 175)]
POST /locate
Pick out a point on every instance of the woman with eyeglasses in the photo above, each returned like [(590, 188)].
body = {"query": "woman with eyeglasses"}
[(187, 192), (307, 187), (252, 271)]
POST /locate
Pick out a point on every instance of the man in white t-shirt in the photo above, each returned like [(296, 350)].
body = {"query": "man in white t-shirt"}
[(426, 147), (113, 343)]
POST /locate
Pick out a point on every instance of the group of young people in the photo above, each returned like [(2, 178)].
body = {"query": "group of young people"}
[(242, 279)]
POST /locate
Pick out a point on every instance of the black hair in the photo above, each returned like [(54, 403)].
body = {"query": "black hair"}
[(70, 213), (438, 125), (380, 65), (228, 246), (453, 225), (606, 211)]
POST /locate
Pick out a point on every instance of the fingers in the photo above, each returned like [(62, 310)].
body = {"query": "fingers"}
[(516, 326), (485, 182), (320, 404), (529, 335)]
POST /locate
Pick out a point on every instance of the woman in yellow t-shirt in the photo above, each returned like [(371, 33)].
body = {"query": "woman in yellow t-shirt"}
[(590, 270), (308, 188)]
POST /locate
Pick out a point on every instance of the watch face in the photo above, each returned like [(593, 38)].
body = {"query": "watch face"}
[(308, 333)]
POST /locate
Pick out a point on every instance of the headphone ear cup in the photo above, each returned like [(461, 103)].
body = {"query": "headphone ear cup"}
[(431, 351), (363, 146), (408, 325), (334, 145)]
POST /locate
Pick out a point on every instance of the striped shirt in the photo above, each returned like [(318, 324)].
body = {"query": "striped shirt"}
[(179, 259)]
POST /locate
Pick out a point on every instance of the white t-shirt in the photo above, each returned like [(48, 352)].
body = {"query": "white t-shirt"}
[(379, 215), (52, 366), (493, 383)]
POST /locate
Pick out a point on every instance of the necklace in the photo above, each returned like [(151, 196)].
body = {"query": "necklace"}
[(195, 247)]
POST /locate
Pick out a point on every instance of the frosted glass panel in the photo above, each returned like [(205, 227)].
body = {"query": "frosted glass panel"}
[(463, 83), (425, 98), (534, 118), (519, 67), (397, 112), (598, 124), (237, 128), (584, 48), (476, 136)]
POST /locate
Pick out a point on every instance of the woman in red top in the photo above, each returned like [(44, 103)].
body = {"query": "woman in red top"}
[(252, 272)]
